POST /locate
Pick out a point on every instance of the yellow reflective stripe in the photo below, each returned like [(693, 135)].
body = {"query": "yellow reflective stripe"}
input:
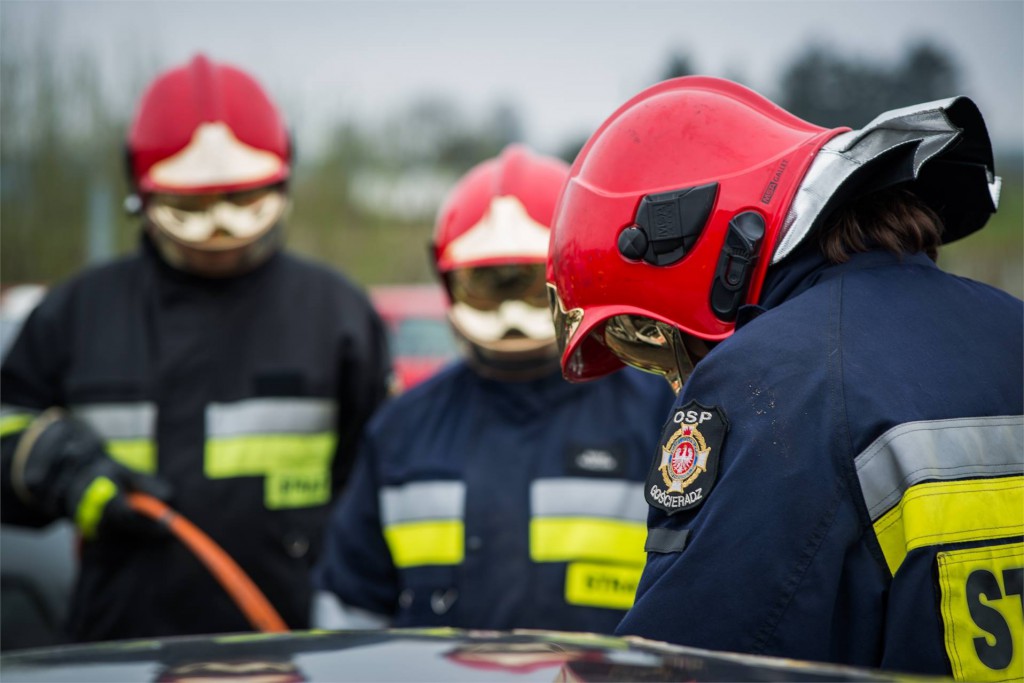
[(566, 539), (135, 454), (91, 506), (430, 542), (296, 467), (257, 456), (950, 512), (981, 611), (10, 424), (601, 585)]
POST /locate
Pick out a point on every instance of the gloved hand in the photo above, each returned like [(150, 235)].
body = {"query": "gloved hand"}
[(62, 468)]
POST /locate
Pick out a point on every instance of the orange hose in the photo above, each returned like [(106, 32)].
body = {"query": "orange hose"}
[(257, 609)]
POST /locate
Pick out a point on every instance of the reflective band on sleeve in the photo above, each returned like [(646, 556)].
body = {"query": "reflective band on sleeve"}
[(128, 428), (138, 455), (601, 585), (270, 416), (91, 506), (938, 450), (119, 421), (12, 424), (941, 481), (567, 539), (422, 500), (951, 512), (296, 467), (587, 497), (415, 544)]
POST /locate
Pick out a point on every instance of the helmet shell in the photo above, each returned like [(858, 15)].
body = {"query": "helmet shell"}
[(206, 127), (500, 212), (742, 153)]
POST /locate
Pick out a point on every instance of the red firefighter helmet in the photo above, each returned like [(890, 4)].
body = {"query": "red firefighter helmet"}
[(490, 248), (670, 214), (209, 154), (207, 127)]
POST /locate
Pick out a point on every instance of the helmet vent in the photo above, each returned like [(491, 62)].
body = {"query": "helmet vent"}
[(668, 224)]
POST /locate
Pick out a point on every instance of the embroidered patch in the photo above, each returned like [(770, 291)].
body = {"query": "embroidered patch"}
[(685, 468)]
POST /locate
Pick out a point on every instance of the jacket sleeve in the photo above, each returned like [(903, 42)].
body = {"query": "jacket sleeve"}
[(30, 382), (755, 567), (355, 564)]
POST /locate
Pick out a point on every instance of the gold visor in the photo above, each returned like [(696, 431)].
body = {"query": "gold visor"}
[(653, 346), (220, 220), (566, 322)]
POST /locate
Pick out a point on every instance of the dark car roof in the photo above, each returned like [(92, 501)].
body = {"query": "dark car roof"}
[(408, 655)]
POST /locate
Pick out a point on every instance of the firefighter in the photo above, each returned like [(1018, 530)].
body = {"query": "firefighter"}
[(840, 478), (211, 369), (496, 495)]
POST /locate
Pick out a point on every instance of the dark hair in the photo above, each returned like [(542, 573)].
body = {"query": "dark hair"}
[(894, 219)]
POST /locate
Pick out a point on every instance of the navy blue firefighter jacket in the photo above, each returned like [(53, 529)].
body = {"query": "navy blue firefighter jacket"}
[(494, 505), (861, 499)]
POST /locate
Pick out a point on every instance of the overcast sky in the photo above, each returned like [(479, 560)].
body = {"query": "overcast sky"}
[(564, 65)]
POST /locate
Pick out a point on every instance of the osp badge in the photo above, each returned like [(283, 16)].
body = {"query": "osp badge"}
[(685, 468)]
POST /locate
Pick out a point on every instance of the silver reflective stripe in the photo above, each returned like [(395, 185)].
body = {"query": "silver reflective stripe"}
[(270, 416), (423, 500), (119, 420), (586, 497), (938, 450), (927, 126)]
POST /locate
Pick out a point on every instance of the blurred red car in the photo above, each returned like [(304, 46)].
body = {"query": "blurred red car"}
[(420, 337)]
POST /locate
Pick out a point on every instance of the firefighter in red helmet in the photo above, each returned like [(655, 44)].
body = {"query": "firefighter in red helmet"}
[(496, 495), (840, 476), (211, 369)]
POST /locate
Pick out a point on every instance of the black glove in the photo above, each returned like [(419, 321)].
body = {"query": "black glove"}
[(63, 469)]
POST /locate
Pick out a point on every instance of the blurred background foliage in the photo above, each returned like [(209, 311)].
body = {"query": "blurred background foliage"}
[(365, 198)]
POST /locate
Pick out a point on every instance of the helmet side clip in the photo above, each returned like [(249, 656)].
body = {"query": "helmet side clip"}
[(667, 225), (736, 264)]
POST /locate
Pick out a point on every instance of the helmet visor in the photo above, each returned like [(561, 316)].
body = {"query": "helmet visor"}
[(486, 288), (653, 346), (219, 220)]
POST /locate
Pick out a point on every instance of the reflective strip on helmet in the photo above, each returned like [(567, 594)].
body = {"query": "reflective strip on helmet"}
[(601, 585), (505, 231), (588, 497), (93, 503), (127, 428), (566, 539), (943, 481), (270, 416), (216, 157), (423, 522)]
